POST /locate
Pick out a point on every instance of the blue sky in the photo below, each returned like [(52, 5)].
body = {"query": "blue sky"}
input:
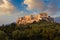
[(19, 4), (10, 10)]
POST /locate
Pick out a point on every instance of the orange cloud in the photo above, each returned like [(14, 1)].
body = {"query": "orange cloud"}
[(34, 4), (6, 6)]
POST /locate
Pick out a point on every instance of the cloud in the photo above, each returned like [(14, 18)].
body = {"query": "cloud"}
[(34, 4), (41, 6), (6, 6), (53, 8), (7, 19)]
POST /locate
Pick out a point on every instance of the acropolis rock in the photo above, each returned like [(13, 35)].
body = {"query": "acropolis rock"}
[(31, 18)]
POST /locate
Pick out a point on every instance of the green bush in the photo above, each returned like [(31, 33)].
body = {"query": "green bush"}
[(41, 30)]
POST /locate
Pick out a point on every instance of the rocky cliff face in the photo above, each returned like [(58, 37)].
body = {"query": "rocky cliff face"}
[(31, 18)]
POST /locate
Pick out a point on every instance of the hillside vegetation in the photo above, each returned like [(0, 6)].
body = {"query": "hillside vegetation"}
[(41, 30)]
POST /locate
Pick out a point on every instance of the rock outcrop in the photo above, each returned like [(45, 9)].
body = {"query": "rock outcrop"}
[(31, 18)]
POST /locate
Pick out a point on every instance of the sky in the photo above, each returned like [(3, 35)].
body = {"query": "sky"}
[(11, 10)]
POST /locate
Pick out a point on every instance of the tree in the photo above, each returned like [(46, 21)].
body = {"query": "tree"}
[(16, 34), (3, 35)]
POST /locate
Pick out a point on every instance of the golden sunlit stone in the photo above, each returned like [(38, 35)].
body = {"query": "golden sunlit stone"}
[(32, 18)]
